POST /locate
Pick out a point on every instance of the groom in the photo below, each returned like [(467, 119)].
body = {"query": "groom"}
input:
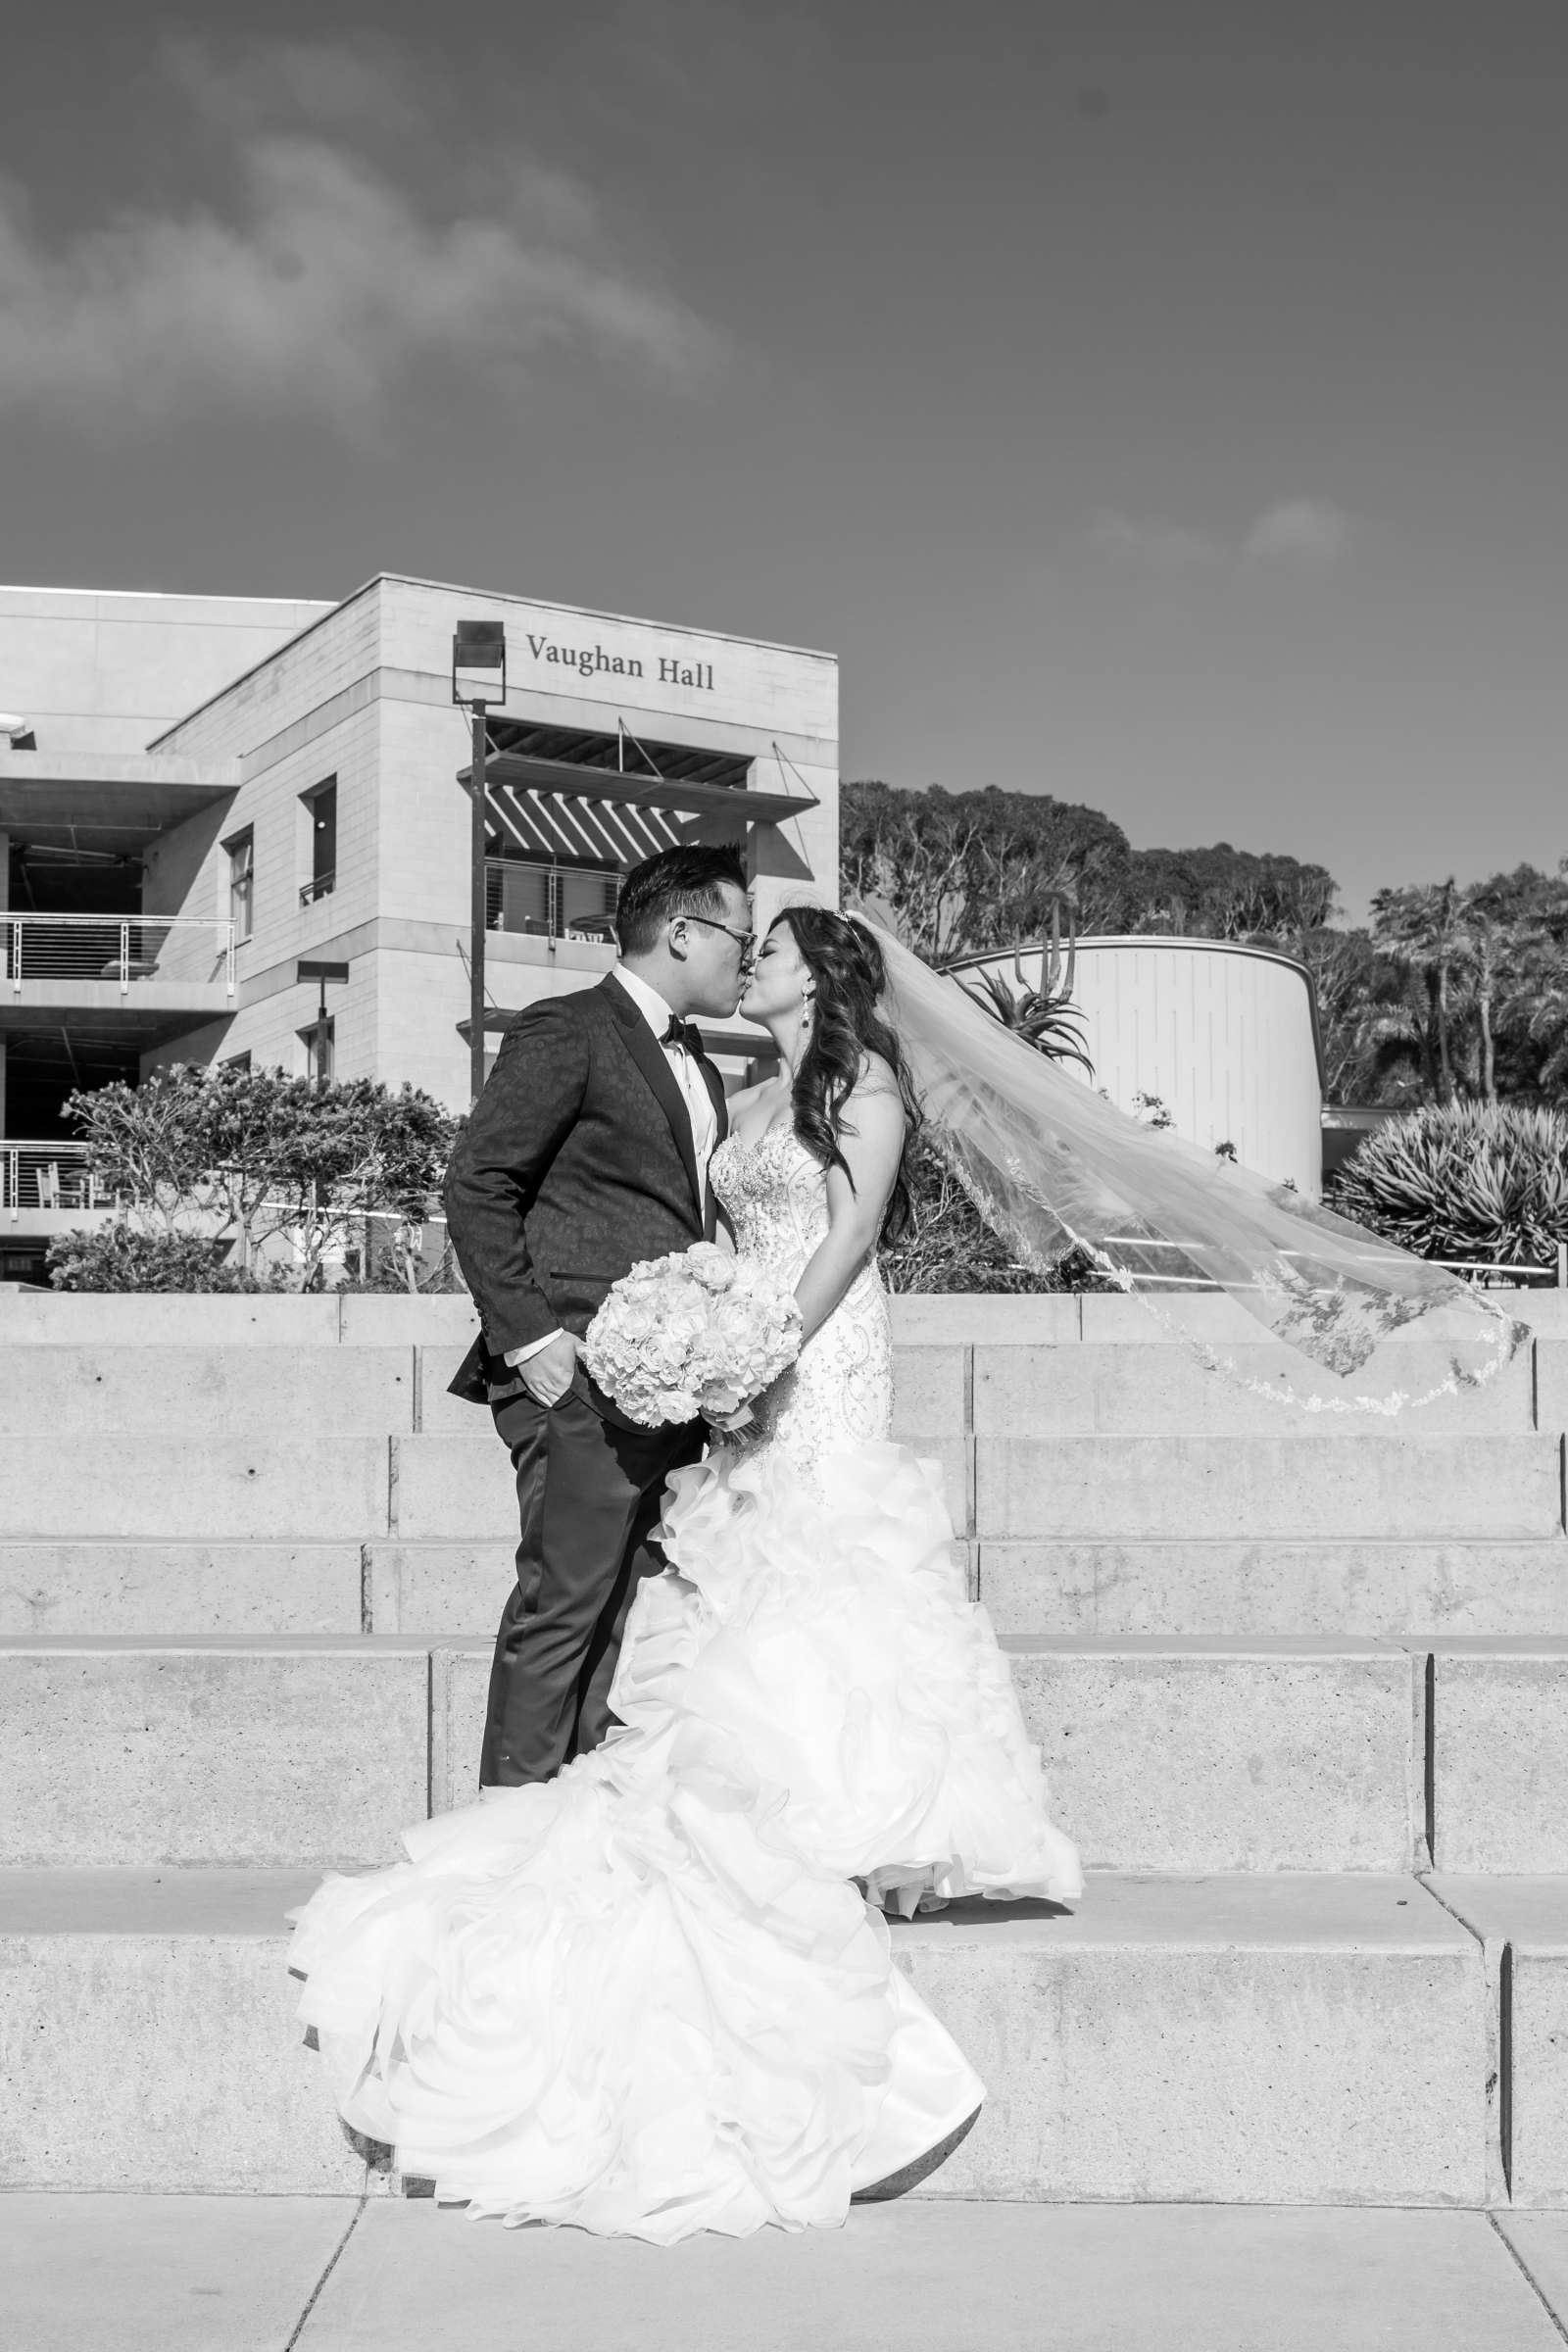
[(587, 1150)]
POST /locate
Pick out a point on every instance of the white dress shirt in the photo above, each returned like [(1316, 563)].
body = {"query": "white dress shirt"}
[(694, 1093)]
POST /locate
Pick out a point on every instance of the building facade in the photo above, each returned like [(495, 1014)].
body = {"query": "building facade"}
[(206, 794)]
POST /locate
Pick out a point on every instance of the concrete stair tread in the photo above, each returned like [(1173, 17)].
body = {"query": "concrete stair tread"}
[(1315, 1910), (1022, 1645), (1530, 1912), (1317, 2039), (242, 1646), (165, 1901), (1223, 1911)]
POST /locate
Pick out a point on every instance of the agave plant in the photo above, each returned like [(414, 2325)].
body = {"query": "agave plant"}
[(1044, 1017), (1464, 1180)]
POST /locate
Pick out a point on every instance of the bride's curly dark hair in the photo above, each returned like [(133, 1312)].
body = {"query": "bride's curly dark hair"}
[(846, 963)]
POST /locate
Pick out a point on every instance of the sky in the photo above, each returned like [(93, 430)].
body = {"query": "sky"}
[(1156, 402)]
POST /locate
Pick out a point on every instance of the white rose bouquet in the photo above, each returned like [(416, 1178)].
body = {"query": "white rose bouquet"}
[(698, 1332)]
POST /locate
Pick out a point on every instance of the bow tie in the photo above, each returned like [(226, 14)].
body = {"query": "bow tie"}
[(682, 1033)]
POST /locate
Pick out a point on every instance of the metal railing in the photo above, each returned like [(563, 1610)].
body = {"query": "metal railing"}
[(105, 946), (49, 1175), (541, 901), (1548, 1271)]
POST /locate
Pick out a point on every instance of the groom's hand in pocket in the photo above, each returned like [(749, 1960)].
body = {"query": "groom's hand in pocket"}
[(547, 1374)]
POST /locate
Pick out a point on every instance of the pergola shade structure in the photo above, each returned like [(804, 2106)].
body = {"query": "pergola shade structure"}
[(555, 792)]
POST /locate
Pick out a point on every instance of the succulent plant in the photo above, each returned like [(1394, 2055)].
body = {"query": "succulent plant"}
[(1464, 1180)]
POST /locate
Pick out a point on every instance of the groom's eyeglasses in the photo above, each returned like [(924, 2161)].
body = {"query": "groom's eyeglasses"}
[(745, 941)]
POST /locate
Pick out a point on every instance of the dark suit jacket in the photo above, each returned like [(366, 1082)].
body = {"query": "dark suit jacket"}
[(577, 1162)]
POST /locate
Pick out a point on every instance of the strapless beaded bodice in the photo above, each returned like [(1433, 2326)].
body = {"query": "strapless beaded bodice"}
[(839, 1391)]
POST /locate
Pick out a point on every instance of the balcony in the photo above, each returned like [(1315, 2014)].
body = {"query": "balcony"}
[(46, 1187), (151, 965), (530, 899)]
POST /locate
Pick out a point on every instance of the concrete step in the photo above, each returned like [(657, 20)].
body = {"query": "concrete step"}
[(192, 2274), (359, 1387), (1100, 1386), (1160, 1487), (120, 1752), (1270, 1585), (457, 1487), (195, 1319), (1046, 1389), (1523, 1924), (441, 1591), (207, 1391), (1166, 1757), (1287, 2041), (959, 1318), (151, 1588), (1497, 1736), (312, 1486), (1163, 1755), (447, 1488)]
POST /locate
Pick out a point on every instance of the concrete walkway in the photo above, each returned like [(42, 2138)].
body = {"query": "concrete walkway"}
[(328, 2274)]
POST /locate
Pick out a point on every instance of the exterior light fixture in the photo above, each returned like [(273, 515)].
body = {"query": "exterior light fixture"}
[(479, 680), (311, 968)]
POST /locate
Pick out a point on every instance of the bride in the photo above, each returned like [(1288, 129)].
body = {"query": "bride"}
[(655, 1994)]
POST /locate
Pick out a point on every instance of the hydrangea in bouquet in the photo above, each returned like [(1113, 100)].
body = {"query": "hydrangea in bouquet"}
[(698, 1332)]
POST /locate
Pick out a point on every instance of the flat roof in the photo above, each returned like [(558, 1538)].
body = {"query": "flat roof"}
[(495, 595), (171, 596)]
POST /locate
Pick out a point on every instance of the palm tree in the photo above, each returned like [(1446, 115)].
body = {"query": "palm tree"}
[(1420, 928)]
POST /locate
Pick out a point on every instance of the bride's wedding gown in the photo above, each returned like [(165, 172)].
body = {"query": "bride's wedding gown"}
[(647, 1997)]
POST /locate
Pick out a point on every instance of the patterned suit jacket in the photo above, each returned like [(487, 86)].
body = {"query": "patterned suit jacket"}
[(577, 1162)]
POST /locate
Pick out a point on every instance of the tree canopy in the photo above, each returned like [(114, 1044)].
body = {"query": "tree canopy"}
[(1450, 993)]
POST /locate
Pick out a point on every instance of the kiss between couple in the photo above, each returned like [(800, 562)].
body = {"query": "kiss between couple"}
[(741, 1704)]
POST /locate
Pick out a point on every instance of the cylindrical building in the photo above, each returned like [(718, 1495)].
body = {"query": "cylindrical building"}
[(1225, 1035)]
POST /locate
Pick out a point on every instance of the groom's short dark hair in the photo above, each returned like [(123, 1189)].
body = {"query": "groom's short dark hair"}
[(689, 879)]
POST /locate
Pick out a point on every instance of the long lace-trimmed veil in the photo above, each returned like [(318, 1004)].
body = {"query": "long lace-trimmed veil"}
[(1330, 1308)]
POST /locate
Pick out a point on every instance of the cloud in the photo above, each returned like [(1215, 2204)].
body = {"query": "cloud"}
[(1306, 531), (1156, 547), (368, 87), (323, 282), (1299, 534)]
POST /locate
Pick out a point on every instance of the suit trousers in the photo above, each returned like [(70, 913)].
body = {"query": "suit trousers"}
[(588, 1500)]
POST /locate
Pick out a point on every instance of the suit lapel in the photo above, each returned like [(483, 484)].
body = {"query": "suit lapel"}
[(714, 1084), (649, 1056), (716, 1095)]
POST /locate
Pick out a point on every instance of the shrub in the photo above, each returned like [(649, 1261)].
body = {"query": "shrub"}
[(253, 1154), (119, 1258), (1478, 1180), (950, 1246)]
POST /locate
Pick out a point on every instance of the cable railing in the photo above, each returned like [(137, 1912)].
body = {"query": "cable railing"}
[(49, 1176), (1553, 1271), (551, 901), (124, 949)]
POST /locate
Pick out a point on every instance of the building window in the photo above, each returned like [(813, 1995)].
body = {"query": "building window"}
[(320, 805), (319, 1051), (241, 882), (552, 902), (236, 1061)]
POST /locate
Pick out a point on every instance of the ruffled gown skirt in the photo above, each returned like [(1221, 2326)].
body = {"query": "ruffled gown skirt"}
[(647, 1997)]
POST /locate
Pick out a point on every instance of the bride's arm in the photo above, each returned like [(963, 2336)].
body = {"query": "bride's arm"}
[(871, 1140)]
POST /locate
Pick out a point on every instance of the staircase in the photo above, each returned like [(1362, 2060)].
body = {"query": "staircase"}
[(1302, 1689)]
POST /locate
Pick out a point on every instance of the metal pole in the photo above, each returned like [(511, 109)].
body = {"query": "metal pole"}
[(320, 1052), (478, 908)]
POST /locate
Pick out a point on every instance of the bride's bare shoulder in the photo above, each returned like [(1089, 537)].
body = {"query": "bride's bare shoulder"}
[(876, 1075)]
